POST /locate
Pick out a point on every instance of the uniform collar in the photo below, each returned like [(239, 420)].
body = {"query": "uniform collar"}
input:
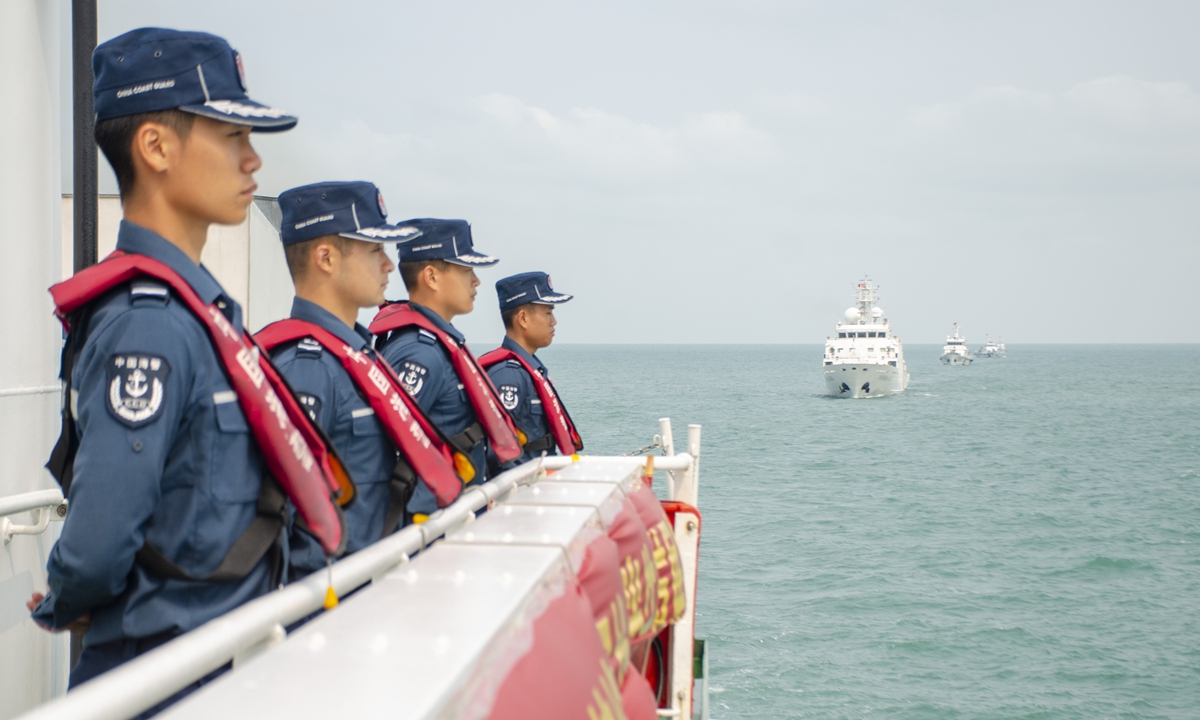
[(357, 337), (510, 344), (138, 240), (438, 321)]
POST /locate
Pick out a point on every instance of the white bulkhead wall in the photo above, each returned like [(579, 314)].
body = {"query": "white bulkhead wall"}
[(247, 259), (34, 663)]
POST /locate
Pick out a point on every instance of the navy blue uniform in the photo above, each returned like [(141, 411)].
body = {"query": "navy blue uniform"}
[(334, 403), (165, 455), (425, 370), (519, 396)]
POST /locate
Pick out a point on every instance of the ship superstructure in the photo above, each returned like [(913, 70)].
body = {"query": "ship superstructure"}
[(955, 351), (863, 358)]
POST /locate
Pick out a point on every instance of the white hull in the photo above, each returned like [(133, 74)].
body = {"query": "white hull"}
[(956, 359), (859, 380)]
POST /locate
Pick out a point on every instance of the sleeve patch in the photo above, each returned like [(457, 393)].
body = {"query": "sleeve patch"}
[(510, 396), (137, 387), (311, 405), (413, 375)]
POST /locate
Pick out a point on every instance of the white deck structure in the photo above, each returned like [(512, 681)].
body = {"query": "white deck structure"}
[(865, 359), (35, 663)]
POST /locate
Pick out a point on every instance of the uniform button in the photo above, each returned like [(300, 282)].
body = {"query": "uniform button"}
[(137, 445)]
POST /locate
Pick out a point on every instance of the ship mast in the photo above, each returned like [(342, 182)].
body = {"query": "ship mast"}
[(866, 302)]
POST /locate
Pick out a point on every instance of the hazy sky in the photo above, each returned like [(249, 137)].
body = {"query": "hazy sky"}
[(727, 171)]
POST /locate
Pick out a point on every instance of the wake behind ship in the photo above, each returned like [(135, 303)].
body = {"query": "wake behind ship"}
[(865, 359)]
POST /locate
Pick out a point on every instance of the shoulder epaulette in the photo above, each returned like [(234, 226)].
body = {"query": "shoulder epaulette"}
[(148, 288), (427, 337), (514, 363), (309, 347)]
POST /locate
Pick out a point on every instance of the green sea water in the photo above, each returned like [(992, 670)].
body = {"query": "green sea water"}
[(1019, 538)]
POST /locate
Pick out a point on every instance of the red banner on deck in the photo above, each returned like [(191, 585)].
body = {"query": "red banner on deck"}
[(565, 674)]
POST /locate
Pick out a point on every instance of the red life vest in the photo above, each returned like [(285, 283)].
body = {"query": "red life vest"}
[(427, 453), (501, 432), (561, 427), (295, 451)]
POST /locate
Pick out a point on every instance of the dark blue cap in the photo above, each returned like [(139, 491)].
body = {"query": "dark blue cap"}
[(530, 287), (153, 69), (353, 210), (448, 240)]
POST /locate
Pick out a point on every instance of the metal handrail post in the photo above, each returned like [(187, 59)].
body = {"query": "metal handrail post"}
[(668, 448)]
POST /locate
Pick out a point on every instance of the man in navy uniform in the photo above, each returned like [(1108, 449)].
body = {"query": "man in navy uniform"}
[(527, 308), (161, 456), (333, 236), (430, 355)]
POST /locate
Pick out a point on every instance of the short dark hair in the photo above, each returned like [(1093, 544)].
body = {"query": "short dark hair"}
[(297, 254), (115, 138), (410, 272), (509, 316)]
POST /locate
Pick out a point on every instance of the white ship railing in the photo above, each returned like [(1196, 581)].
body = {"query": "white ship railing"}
[(258, 625), (46, 505)]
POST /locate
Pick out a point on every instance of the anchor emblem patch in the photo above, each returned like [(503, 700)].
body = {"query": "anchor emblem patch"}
[(509, 396), (412, 376), (137, 387)]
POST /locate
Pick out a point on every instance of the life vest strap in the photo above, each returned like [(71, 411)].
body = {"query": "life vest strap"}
[(403, 482), (468, 439), (261, 537), (543, 444), (62, 458)]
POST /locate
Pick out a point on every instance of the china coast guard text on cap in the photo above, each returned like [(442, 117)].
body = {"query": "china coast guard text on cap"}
[(153, 69)]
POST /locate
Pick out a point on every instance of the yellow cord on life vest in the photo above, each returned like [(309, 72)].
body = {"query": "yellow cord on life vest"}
[(522, 438), (331, 598), (419, 518), (574, 457)]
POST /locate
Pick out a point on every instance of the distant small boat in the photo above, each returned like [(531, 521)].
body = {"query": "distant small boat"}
[(955, 351), (992, 349)]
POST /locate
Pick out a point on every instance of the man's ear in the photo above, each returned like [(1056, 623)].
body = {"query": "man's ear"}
[(156, 146), (429, 276), (521, 319), (323, 259)]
